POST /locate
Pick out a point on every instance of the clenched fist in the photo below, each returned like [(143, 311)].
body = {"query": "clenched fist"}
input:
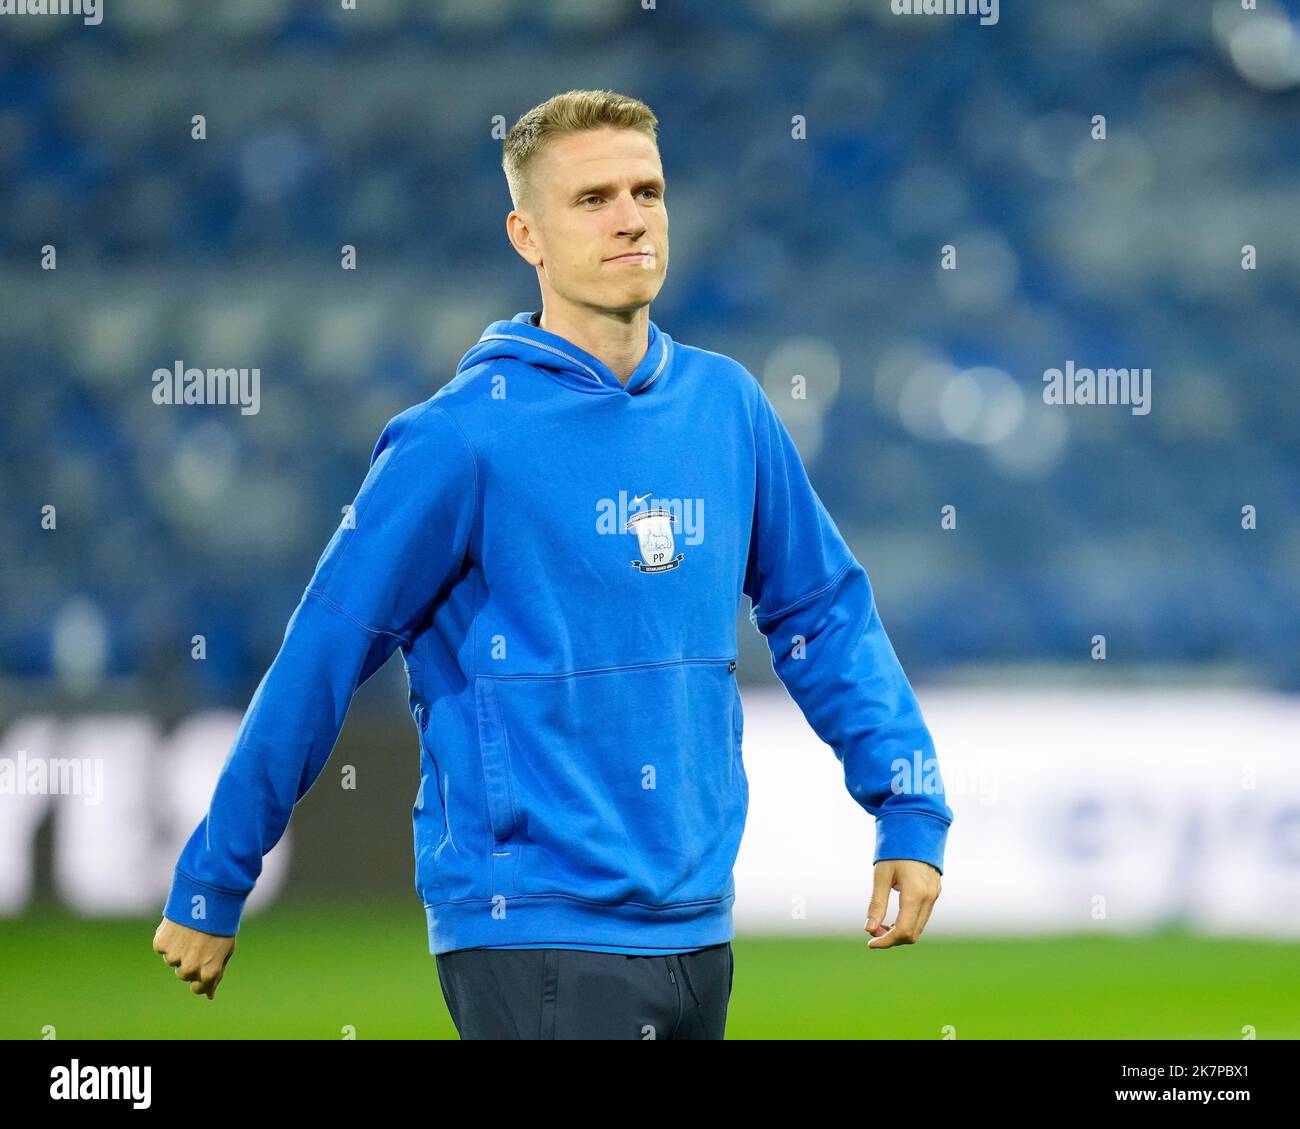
[(198, 957)]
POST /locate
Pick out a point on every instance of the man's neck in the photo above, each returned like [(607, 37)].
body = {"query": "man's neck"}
[(620, 344)]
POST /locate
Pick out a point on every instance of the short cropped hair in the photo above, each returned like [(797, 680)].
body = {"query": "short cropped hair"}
[(571, 112)]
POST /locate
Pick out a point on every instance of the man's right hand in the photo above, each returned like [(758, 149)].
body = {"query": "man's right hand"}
[(198, 957)]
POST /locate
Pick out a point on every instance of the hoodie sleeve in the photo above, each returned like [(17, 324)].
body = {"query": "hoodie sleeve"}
[(813, 602), (405, 539)]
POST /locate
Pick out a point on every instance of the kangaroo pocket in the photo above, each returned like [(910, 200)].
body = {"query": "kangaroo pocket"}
[(615, 785)]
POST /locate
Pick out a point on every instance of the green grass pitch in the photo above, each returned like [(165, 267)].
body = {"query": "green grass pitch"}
[(303, 972)]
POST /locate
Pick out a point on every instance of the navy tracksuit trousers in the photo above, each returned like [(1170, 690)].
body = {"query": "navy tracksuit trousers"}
[(577, 994)]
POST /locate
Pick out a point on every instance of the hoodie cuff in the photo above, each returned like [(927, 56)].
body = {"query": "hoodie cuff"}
[(911, 835), (205, 908)]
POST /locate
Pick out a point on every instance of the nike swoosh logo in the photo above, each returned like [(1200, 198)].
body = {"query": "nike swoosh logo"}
[(639, 498)]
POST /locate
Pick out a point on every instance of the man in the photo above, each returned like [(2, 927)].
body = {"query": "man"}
[(532, 538)]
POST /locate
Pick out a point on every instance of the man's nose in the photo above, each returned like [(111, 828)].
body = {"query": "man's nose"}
[(630, 220)]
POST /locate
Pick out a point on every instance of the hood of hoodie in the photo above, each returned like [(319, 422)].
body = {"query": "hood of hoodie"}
[(522, 339)]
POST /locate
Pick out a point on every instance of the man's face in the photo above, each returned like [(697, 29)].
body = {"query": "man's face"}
[(599, 226)]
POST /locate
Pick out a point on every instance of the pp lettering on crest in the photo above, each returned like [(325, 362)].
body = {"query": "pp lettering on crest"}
[(654, 534)]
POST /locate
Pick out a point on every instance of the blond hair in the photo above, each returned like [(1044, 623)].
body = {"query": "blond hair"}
[(570, 112)]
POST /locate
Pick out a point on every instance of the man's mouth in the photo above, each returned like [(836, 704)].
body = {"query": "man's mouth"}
[(633, 257)]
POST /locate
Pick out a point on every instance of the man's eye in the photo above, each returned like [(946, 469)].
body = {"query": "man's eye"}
[(653, 192)]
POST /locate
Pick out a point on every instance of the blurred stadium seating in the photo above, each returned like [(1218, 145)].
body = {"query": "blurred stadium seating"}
[(817, 257)]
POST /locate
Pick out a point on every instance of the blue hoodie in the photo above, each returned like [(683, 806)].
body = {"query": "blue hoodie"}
[(533, 537)]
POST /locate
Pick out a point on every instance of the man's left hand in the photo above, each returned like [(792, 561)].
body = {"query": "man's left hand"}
[(917, 884)]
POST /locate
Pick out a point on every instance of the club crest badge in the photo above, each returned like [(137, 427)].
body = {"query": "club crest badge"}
[(654, 534)]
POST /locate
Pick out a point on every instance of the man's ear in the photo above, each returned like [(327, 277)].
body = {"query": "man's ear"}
[(520, 233)]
